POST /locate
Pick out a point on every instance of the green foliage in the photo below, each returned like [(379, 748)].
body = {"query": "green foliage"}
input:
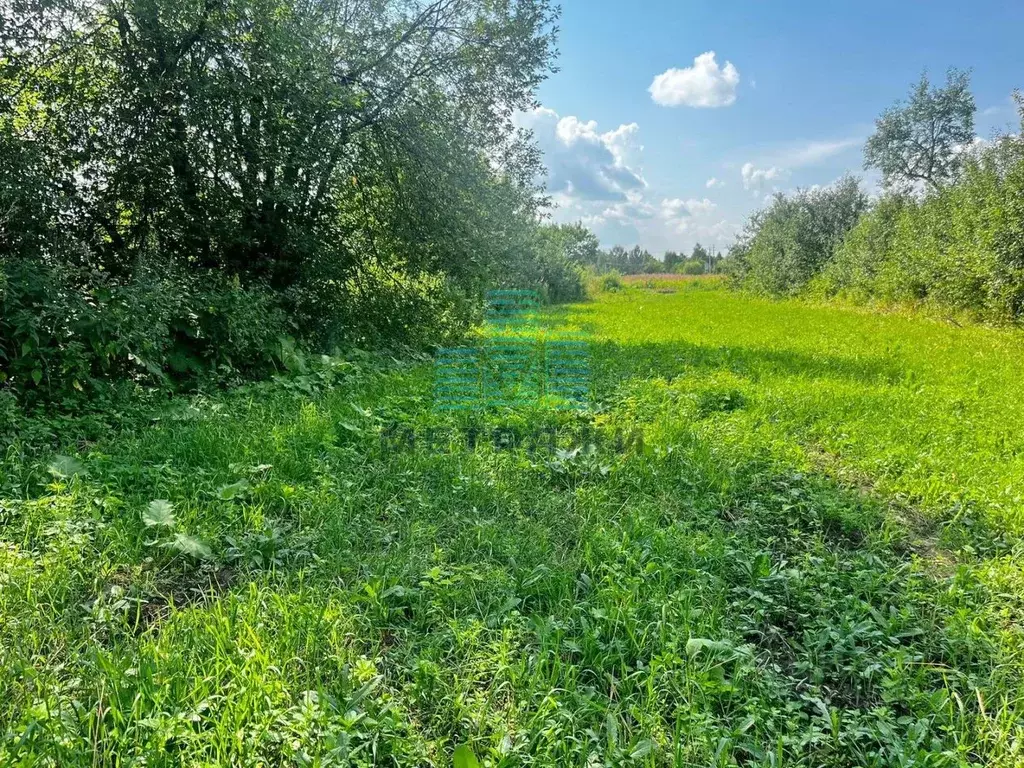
[(860, 258), (788, 243), (958, 249), (812, 560), (237, 173), (159, 513), (636, 261), (692, 267), (610, 281), (922, 142), (65, 332), (550, 261), (464, 757)]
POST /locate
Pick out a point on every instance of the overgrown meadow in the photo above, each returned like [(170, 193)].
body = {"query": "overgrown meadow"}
[(812, 559)]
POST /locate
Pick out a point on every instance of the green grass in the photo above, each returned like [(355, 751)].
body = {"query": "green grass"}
[(812, 560)]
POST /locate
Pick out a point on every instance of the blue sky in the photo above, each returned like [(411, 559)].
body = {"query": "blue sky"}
[(787, 100)]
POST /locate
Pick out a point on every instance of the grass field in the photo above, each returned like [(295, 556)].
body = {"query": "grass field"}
[(812, 559)]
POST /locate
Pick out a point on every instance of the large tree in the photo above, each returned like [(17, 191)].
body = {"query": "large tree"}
[(232, 132), (923, 140), (288, 147)]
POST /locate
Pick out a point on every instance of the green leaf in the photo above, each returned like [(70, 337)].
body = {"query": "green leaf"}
[(66, 467), (233, 490), (465, 757), (160, 512), (37, 376), (695, 645), (642, 749), (189, 545)]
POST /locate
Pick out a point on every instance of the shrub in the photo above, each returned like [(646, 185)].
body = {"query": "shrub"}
[(380, 307), (960, 248), (611, 281), (788, 243), (66, 330), (860, 258), (691, 267)]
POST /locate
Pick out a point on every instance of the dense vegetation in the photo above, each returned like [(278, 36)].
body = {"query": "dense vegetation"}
[(188, 189), (948, 233), (811, 558), (778, 533)]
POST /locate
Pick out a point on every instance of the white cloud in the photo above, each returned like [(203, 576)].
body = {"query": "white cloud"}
[(691, 207), (754, 178), (583, 163), (973, 148), (595, 177), (633, 208), (712, 183), (702, 85), (683, 215)]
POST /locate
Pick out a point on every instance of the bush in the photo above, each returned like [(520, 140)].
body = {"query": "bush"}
[(67, 330), (172, 222), (961, 248), (788, 243), (859, 260), (544, 259), (691, 267), (611, 281), (390, 309)]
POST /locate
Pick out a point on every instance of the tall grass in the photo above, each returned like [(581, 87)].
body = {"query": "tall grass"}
[(812, 559)]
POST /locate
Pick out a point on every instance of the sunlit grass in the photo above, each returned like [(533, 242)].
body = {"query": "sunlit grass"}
[(812, 560)]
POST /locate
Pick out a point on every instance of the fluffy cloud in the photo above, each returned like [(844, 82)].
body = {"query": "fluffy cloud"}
[(713, 182), (704, 84), (754, 178), (691, 207), (582, 163), (682, 215), (634, 208), (595, 177)]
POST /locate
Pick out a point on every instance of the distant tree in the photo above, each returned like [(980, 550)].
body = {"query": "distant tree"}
[(700, 254), (671, 260), (616, 258), (923, 140), (635, 260), (578, 243)]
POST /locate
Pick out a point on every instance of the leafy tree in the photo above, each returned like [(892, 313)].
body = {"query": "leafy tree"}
[(960, 248), (671, 260), (789, 242), (923, 141), (196, 169), (577, 243), (700, 254)]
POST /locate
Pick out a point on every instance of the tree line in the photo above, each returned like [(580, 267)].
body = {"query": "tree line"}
[(583, 248), (197, 188), (946, 232)]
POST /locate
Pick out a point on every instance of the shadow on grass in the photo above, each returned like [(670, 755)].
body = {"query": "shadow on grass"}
[(702, 586)]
